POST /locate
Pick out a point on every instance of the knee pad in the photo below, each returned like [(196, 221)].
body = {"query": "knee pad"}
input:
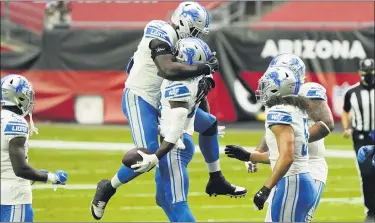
[(211, 131)]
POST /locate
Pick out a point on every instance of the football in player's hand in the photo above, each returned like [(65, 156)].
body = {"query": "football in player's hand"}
[(132, 157)]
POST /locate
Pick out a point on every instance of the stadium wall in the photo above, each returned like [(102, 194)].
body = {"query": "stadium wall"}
[(78, 74)]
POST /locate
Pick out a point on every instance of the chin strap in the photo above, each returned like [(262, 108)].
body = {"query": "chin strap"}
[(32, 126)]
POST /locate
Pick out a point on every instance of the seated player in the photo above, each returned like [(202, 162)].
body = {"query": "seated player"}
[(17, 101), (178, 108), (287, 139)]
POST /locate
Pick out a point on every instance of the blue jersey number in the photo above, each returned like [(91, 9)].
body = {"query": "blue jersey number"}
[(305, 147)]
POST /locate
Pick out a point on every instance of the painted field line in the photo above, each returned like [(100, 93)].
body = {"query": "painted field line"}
[(66, 145), (355, 200)]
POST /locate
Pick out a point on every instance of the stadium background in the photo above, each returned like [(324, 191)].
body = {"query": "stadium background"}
[(78, 77)]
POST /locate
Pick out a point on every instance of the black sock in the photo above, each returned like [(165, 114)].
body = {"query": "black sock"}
[(216, 175)]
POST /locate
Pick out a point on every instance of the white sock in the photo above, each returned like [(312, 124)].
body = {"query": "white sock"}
[(115, 182), (214, 166)]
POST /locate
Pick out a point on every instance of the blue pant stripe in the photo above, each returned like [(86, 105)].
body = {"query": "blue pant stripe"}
[(140, 124), (130, 120), (286, 198), (13, 213), (181, 174), (22, 210), (171, 177), (295, 198)]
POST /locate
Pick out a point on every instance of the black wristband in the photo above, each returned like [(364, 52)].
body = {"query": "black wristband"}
[(204, 69), (265, 190)]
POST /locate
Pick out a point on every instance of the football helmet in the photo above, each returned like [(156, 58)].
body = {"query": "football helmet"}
[(292, 62), (192, 51), (191, 20), (278, 81)]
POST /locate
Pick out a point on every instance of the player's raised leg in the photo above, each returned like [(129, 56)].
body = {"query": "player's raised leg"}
[(142, 118), (206, 125), (17, 213)]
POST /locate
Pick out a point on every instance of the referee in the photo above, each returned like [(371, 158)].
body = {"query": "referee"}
[(359, 101)]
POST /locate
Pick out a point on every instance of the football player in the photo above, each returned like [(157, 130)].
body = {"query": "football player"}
[(177, 112), (17, 101), (287, 138), (152, 62), (320, 122)]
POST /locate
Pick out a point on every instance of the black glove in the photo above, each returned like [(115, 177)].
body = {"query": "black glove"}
[(213, 64), (237, 152), (205, 85), (261, 196)]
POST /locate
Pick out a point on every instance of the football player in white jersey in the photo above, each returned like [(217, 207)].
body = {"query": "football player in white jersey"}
[(321, 123), (287, 138), (17, 101), (177, 113), (152, 62)]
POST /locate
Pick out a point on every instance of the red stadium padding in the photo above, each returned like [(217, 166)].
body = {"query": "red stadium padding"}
[(323, 11), (120, 11), (56, 92), (5, 48)]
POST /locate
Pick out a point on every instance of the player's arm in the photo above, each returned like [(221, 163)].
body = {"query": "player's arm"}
[(345, 116), (20, 167), (204, 105), (178, 115), (161, 53), (241, 154), (285, 141), (321, 114), (262, 147)]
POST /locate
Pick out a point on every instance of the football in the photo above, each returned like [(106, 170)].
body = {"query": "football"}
[(131, 157)]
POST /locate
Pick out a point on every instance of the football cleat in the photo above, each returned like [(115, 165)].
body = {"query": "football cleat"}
[(104, 192), (220, 186)]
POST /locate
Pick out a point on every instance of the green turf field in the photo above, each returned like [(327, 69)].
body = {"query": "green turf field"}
[(135, 201)]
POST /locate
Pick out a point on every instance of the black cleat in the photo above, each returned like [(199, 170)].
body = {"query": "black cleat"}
[(220, 186), (104, 192)]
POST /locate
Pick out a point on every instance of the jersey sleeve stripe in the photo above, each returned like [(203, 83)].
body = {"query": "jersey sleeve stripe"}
[(279, 111), (173, 85), (179, 96)]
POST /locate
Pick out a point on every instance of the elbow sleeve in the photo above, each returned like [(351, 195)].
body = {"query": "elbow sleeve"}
[(178, 117)]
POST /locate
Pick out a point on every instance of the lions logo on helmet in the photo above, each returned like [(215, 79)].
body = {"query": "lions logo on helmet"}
[(192, 51), (278, 81), (17, 91), (191, 20), (292, 62)]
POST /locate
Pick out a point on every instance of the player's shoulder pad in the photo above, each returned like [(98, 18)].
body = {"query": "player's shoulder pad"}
[(313, 90), (279, 115), (177, 91), (161, 30), (15, 125)]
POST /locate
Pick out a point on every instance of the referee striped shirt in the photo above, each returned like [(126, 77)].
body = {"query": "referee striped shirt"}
[(359, 99)]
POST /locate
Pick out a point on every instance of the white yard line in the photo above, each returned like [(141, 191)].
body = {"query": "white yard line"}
[(355, 200), (66, 145)]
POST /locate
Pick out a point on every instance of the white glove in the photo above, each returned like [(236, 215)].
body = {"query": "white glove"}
[(251, 167), (148, 162), (220, 131)]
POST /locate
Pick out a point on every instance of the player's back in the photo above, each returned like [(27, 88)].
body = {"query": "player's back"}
[(297, 119), (182, 91), (143, 78), (319, 168), (14, 190)]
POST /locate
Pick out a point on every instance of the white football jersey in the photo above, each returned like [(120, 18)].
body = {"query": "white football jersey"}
[(289, 115), (184, 91), (14, 190), (143, 79), (317, 163)]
